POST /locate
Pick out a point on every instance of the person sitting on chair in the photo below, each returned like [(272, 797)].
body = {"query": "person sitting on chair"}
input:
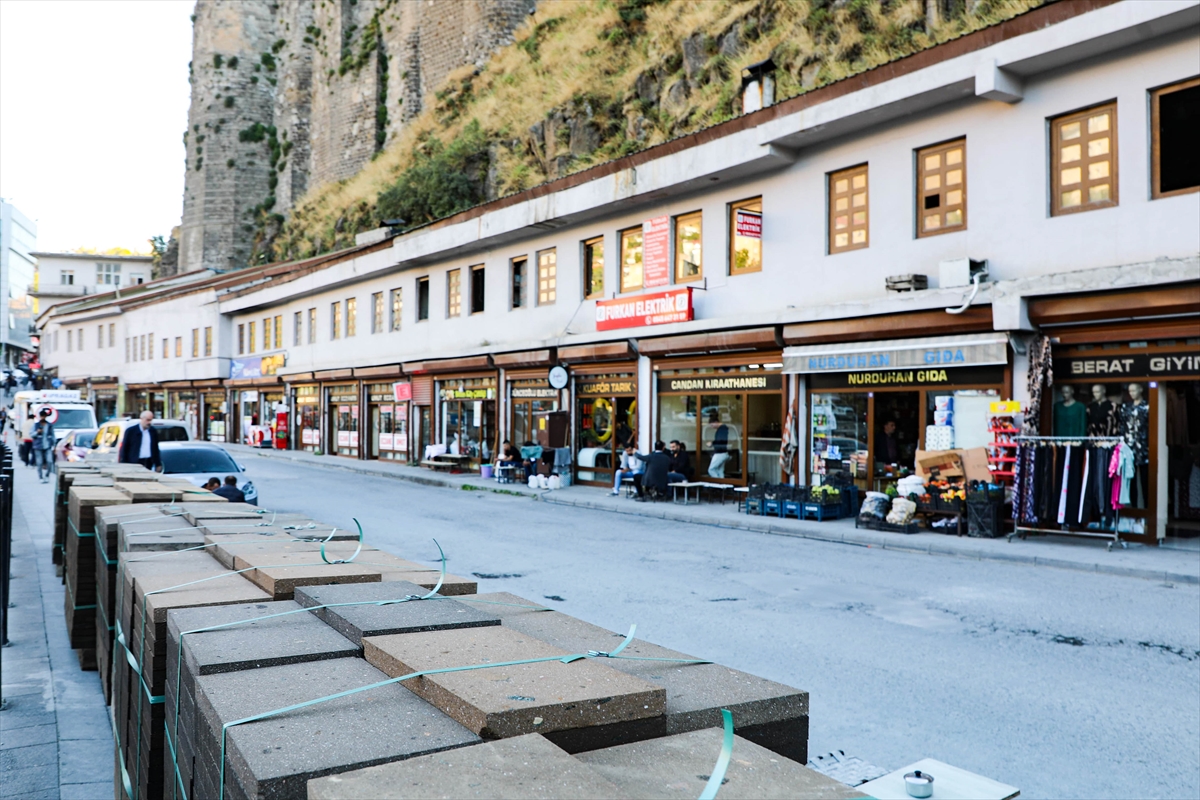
[(679, 466), (652, 483), (631, 466)]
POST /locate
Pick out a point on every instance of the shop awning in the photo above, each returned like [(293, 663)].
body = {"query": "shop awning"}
[(970, 350)]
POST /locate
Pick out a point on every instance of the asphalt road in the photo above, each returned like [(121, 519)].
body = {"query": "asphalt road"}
[(1065, 684)]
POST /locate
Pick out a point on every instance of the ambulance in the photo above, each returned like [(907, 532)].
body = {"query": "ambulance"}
[(68, 411)]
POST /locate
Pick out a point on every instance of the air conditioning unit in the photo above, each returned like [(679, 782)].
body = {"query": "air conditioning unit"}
[(960, 271)]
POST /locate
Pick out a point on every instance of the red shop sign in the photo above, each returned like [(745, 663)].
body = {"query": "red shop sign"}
[(402, 391), (748, 224), (659, 308), (656, 247)]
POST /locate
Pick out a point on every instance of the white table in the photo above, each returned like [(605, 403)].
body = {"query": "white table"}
[(686, 485), (948, 782)]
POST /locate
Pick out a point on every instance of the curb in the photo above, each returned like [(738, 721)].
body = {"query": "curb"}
[(743, 523)]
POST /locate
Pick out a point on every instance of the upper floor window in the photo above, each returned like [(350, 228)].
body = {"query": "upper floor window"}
[(745, 236), (453, 293), (422, 299), (593, 268), (67, 277), (179, 344), (112, 334), (335, 320), (208, 341), (547, 277), (397, 308), (848, 221), (377, 312), (99, 336), (166, 348), (266, 334), (251, 338), (351, 316), (297, 328), (478, 285), (519, 265), (1083, 158), (312, 326), (241, 339), (1174, 121), (687, 248), (196, 341), (631, 259), (942, 188), (126, 348), (136, 278), (278, 331), (108, 274)]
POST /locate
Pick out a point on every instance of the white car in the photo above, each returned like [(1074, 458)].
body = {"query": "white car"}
[(199, 461)]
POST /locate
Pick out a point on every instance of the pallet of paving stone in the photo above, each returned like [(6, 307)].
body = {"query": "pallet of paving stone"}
[(531, 766), (64, 474), (770, 714), (143, 491), (81, 479), (79, 567)]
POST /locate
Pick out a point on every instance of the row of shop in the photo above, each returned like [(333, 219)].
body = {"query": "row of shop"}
[(748, 407)]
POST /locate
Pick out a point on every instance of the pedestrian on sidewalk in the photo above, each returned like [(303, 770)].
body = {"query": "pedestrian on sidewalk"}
[(43, 445), (631, 466), (141, 444), (230, 491), (26, 449)]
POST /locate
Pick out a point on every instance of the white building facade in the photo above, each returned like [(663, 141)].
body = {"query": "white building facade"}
[(18, 240), (735, 290)]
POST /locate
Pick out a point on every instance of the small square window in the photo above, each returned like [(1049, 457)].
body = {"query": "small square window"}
[(517, 291), (941, 188), (745, 235), (454, 293)]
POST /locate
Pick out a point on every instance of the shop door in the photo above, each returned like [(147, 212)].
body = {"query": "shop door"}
[(1183, 460), (606, 425), (424, 430), (345, 429), (214, 412)]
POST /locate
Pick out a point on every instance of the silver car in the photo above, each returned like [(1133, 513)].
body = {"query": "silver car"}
[(199, 461)]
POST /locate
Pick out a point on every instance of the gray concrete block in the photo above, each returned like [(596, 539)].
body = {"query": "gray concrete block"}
[(358, 621), (768, 713), (275, 757), (500, 702), (522, 768), (162, 533), (679, 766), (195, 513), (279, 573)]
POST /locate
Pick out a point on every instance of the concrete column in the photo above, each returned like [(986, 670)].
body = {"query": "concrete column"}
[(647, 414), (1160, 481), (800, 392)]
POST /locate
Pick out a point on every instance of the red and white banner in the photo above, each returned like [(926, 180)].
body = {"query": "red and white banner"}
[(660, 308), (748, 224), (656, 252), (402, 391)]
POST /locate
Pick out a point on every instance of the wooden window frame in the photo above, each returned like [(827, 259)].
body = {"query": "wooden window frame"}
[(397, 308), (335, 320), (550, 292), (351, 317), (179, 345), (589, 267), (678, 247), (241, 339), (376, 312), (943, 172), (1155, 154), (453, 293), (266, 331), (731, 221), (208, 341), (423, 283), (312, 325), (279, 331), (851, 192), (297, 328), (1085, 183), (196, 341), (630, 287), (482, 298), (518, 277)]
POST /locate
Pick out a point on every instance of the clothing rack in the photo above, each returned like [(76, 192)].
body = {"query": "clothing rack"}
[(1114, 536)]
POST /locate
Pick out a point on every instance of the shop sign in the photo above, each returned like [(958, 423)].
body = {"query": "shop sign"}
[(900, 355), (883, 379), (535, 392), (261, 366), (605, 388), (660, 308), (467, 394), (402, 391), (656, 247), (739, 382), (1139, 365), (748, 224), (250, 396), (310, 436)]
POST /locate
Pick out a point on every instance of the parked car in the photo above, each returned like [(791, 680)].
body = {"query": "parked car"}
[(107, 444), (199, 461), (75, 445)]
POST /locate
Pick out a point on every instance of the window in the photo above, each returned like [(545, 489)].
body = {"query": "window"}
[(196, 341), (518, 281), (297, 328), (166, 348), (745, 236), (848, 219), (179, 344), (149, 344), (397, 309), (99, 336), (1084, 160), (547, 277), (351, 316), (593, 268), (241, 339), (266, 334), (942, 188), (687, 248), (335, 320), (279, 331), (477, 289), (136, 278), (208, 341), (112, 334), (1174, 119), (631, 259), (126, 348), (422, 299), (108, 274), (71, 342), (81, 340), (312, 326), (453, 293), (377, 312), (67, 277), (142, 347), (251, 338)]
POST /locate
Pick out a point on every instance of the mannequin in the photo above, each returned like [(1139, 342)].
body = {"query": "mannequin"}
[(1070, 416), (1135, 429), (1102, 414)]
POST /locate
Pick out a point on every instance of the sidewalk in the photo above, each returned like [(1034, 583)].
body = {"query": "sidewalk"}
[(55, 734), (1087, 555)]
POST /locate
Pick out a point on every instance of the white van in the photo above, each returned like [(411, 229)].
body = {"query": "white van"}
[(70, 412)]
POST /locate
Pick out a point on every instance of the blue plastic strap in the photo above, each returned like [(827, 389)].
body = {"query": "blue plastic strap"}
[(718, 774)]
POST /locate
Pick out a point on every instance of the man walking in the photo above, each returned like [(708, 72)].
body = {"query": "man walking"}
[(26, 431), (43, 445), (140, 445)]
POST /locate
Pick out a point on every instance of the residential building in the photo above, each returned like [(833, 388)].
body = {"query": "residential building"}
[(67, 275), (18, 239)]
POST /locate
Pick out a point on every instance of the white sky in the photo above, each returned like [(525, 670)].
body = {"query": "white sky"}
[(93, 104)]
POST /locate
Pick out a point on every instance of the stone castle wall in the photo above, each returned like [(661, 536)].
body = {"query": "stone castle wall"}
[(328, 82)]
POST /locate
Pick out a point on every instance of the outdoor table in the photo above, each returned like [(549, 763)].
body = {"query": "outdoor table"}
[(686, 485), (722, 488), (745, 492)]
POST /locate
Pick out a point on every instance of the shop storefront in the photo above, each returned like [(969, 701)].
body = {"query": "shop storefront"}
[(183, 404), (606, 419), (104, 399), (249, 405), (388, 411), (467, 416), (533, 412), (728, 415), (139, 398), (306, 422), (874, 407), (343, 414), (213, 411)]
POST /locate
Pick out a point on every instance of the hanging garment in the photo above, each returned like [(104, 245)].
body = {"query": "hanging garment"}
[(1041, 377), (1066, 479), (1135, 428), (1018, 498), (1070, 420), (1050, 479), (1125, 469), (1083, 487), (1102, 419)]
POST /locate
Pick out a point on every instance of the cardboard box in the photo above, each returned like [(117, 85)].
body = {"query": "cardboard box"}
[(970, 464)]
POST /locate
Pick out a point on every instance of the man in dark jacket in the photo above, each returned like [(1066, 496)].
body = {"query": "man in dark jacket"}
[(655, 475), (679, 466), (140, 445), (230, 491)]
